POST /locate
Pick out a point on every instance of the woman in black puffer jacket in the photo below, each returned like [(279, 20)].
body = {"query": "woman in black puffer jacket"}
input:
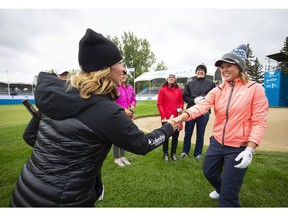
[(77, 128)]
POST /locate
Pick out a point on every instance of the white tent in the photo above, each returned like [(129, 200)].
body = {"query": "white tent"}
[(161, 76), (182, 73)]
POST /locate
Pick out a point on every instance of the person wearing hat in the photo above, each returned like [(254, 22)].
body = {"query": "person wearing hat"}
[(77, 128), (170, 102), (62, 74), (195, 91), (240, 108), (127, 100)]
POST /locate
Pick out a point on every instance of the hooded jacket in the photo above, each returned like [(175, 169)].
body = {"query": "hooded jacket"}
[(240, 112), (74, 138)]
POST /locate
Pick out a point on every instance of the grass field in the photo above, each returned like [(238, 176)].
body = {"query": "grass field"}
[(149, 182)]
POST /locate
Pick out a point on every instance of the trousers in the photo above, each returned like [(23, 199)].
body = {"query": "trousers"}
[(175, 136), (201, 123), (218, 168)]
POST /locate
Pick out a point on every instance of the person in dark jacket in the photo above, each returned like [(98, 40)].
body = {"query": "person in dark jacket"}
[(77, 128), (195, 91), (30, 136)]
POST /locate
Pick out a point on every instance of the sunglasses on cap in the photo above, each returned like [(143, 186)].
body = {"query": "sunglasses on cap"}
[(171, 76)]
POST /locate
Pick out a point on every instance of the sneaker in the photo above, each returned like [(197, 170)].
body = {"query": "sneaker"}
[(125, 161), (174, 157), (102, 194), (214, 195), (183, 155), (198, 157), (166, 159), (119, 162)]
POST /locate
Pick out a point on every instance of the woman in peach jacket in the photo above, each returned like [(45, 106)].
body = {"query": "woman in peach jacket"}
[(240, 108)]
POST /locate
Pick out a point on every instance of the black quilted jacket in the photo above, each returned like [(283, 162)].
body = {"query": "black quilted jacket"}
[(74, 138)]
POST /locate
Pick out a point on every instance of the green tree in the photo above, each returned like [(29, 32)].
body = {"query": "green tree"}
[(254, 68), (258, 70), (136, 54), (249, 61), (284, 64), (160, 66)]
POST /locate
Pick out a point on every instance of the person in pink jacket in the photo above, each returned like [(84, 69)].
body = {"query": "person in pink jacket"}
[(240, 108), (170, 102), (127, 100)]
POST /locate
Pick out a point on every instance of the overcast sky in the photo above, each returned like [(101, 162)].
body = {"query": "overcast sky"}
[(33, 40)]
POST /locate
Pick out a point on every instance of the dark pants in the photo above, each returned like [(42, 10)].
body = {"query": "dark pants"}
[(118, 152), (201, 123), (218, 168), (175, 136)]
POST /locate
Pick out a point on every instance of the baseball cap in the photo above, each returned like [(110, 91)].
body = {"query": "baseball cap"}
[(237, 56)]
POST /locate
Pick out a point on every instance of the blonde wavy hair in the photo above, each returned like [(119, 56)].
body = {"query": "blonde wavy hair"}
[(95, 82), (243, 77)]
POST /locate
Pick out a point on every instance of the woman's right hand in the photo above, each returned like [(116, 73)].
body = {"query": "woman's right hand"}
[(175, 125)]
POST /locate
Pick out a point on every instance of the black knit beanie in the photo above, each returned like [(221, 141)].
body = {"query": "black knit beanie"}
[(201, 66), (97, 52)]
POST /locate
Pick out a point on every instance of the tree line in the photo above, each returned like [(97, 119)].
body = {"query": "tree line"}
[(137, 54)]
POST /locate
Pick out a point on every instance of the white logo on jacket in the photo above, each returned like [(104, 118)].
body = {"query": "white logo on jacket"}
[(157, 141), (240, 93)]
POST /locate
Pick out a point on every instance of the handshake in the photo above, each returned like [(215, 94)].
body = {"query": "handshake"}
[(175, 122)]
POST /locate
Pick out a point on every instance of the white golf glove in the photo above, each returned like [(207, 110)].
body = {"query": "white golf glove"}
[(246, 157), (198, 99)]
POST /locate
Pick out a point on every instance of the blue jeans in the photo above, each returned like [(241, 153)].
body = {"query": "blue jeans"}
[(201, 123), (218, 168)]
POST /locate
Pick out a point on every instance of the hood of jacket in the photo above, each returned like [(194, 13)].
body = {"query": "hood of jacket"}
[(54, 100)]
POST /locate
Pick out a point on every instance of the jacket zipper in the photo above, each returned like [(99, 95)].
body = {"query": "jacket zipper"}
[(227, 109)]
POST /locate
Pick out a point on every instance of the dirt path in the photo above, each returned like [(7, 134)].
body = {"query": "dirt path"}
[(275, 138)]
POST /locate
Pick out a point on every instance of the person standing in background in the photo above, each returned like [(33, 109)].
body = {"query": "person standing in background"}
[(62, 74), (170, 102), (195, 91), (127, 100)]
